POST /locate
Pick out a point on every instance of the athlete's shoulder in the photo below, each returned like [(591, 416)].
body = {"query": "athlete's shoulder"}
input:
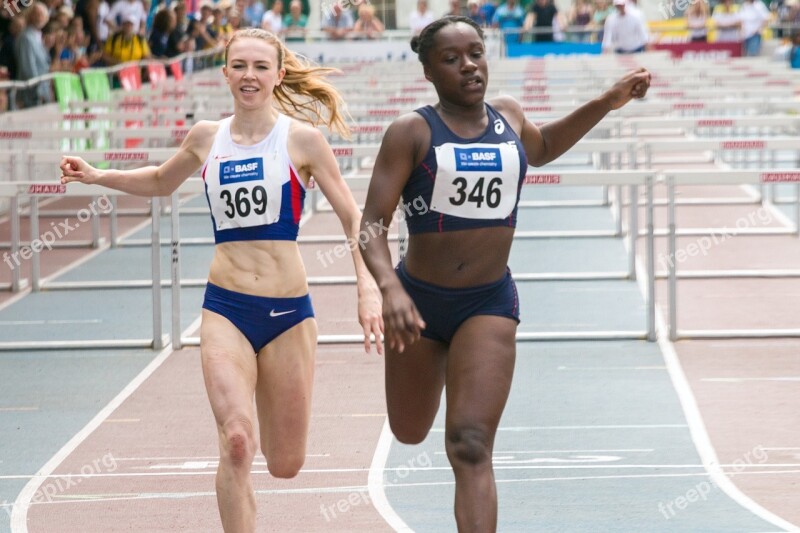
[(204, 128), (304, 134), (510, 109), (410, 125)]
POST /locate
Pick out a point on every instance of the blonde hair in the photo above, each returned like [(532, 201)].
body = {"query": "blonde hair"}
[(304, 91)]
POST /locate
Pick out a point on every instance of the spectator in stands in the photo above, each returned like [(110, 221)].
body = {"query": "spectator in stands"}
[(794, 52), (272, 20), (163, 26), (219, 30), (624, 33), (368, 26), (474, 12), (253, 13), (126, 45), (540, 20), (579, 18), (295, 22), (456, 9), (234, 20), (602, 10), (8, 58), (696, 21), (181, 18), (727, 21), (510, 18), (73, 55), (488, 7), (205, 15), (63, 15), (338, 22), (199, 36), (131, 10), (179, 41), (754, 16), (32, 57), (55, 39), (420, 17)]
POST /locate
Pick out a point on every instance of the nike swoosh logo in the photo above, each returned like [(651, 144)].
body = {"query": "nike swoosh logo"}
[(273, 314)]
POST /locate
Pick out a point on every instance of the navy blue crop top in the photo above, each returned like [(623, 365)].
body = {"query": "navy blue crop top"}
[(466, 183)]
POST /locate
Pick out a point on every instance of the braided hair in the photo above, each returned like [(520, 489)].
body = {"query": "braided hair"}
[(421, 44)]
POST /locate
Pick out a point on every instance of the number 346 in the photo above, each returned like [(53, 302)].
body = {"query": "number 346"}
[(491, 195)]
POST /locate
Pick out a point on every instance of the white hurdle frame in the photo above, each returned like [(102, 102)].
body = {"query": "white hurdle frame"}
[(719, 177)]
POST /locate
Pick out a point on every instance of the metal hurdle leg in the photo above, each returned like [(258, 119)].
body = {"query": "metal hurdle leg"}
[(155, 249), (175, 272), (95, 224), (633, 231), (112, 223), (35, 259), (672, 281), (16, 283), (651, 264), (797, 209)]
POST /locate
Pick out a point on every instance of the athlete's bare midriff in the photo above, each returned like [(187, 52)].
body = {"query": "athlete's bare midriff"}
[(464, 258), (261, 268)]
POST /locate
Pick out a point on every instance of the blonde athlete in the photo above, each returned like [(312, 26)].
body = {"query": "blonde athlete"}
[(258, 334)]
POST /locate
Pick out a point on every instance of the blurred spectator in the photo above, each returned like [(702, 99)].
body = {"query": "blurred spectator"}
[(163, 26), (579, 18), (488, 8), (196, 32), (8, 58), (234, 20), (55, 39), (367, 26), (218, 29), (181, 19), (273, 19), (32, 56), (696, 21), (510, 18), (253, 13), (130, 10), (126, 45), (295, 22), (602, 10), (456, 9), (63, 16), (338, 22), (179, 41), (794, 52), (540, 19), (420, 17), (624, 32), (205, 13), (754, 16), (475, 13), (727, 21)]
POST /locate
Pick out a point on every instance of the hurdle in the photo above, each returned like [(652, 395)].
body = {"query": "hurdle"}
[(719, 177)]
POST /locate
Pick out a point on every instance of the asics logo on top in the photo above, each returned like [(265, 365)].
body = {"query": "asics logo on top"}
[(273, 314)]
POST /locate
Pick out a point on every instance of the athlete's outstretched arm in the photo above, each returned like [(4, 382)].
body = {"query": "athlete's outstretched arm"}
[(309, 147), (392, 168), (545, 144), (147, 181)]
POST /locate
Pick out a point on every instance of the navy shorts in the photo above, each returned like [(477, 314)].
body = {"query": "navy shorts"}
[(259, 318), (444, 309)]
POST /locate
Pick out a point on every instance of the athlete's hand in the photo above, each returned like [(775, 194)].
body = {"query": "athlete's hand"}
[(76, 169), (369, 314), (634, 84), (402, 321)]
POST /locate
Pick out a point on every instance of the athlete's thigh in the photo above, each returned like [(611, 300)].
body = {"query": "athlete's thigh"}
[(283, 391), (229, 369), (414, 381), (480, 367)]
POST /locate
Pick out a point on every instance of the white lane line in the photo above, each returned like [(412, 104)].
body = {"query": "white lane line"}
[(612, 368), (19, 513), (640, 450), (697, 428), (549, 428), (740, 380), (94, 498), (48, 322), (375, 483)]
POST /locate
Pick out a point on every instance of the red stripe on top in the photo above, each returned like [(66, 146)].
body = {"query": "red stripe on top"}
[(203, 174), (297, 207), (430, 172)]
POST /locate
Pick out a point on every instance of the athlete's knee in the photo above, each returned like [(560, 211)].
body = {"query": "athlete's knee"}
[(238, 444), (468, 444), (286, 467)]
